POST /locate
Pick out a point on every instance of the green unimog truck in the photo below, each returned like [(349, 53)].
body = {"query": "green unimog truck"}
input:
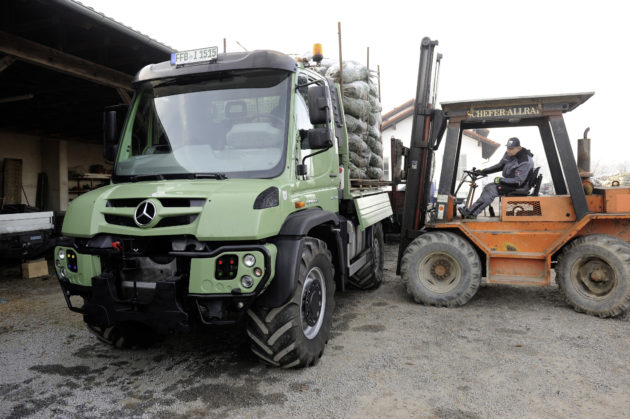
[(228, 201)]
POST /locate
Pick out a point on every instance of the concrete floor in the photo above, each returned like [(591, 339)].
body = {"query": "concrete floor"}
[(511, 351)]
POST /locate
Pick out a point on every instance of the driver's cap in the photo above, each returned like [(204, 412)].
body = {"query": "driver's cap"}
[(513, 143)]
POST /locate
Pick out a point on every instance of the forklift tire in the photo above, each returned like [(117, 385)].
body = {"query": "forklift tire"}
[(295, 334), (124, 336), (370, 276), (441, 269), (594, 274)]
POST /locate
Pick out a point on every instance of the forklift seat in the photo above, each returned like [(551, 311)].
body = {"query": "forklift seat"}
[(533, 181)]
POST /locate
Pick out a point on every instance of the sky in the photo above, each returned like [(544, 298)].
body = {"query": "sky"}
[(491, 48)]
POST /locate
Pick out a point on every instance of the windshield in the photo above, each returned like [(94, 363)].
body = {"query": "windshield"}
[(233, 124)]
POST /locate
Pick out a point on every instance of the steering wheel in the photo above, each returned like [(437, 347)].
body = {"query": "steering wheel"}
[(271, 118), (474, 174)]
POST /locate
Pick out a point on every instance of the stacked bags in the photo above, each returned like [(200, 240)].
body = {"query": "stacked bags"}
[(363, 118)]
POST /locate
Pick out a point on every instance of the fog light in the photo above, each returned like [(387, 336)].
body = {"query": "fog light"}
[(247, 281), (61, 254), (62, 272), (249, 260), (258, 272)]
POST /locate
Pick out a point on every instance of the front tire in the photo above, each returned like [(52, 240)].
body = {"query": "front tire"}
[(295, 334), (124, 335), (441, 269), (594, 274)]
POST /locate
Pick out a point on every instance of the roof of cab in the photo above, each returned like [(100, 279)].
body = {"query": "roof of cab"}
[(259, 59)]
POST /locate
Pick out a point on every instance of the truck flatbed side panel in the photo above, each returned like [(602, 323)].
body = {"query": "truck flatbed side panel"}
[(31, 221), (372, 209)]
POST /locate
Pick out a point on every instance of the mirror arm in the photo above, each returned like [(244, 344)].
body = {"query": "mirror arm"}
[(323, 150), (309, 83)]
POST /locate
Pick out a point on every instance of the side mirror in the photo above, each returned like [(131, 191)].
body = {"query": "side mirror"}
[(113, 118), (318, 105), (317, 139)]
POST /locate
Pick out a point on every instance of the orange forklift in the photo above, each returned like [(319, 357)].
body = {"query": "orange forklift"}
[(585, 239)]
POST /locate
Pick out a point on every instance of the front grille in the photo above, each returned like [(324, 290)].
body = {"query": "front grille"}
[(166, 202), (124, 203), (181, 202), (179, 220), (126, 208), (119, 220)]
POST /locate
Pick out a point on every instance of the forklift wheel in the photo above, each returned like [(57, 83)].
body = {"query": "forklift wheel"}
[(441, 269), (594, 273)]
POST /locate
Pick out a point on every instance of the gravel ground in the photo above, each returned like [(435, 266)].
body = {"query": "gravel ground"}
[(511, 351)]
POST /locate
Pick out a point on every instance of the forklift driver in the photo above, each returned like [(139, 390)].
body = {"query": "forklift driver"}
[(516, 166)]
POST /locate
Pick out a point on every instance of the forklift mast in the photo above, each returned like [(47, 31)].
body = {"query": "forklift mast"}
[(427, 129)]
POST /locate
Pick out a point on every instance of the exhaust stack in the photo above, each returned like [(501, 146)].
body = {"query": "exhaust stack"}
[(584, 162)]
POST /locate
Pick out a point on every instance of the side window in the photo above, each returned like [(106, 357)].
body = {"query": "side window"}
[(303, 121)]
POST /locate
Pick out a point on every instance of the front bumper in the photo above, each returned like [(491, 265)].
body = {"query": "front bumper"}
[(119, 287)]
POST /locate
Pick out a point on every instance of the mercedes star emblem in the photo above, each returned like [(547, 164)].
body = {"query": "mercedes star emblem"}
[(145, 213)]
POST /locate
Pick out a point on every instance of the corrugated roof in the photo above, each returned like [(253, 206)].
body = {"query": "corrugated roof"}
[(95, 14), (63, 63)]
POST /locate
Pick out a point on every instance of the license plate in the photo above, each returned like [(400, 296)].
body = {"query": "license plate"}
[(194, 56)]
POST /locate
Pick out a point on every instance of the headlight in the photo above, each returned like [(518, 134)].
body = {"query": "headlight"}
[(61, 254), (247, 281), (249, 260), (58, 263)]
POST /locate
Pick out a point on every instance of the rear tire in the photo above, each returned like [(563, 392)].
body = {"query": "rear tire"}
[(594, 274), (295, 334), (441, 269), (370, 276)]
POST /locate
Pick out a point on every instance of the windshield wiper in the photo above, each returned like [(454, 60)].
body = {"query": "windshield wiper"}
[(218, 176), (138, 178)]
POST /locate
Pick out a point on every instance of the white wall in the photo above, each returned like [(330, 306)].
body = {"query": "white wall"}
[(51, 156), (85, 155), (26, 148), (402, 131), (470, 153)]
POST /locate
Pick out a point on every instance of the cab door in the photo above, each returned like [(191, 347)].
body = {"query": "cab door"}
[(319, 186)]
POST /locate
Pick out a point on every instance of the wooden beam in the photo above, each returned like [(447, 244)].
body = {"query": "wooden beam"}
[(5, 62), (20, 98), (124, 95), (59, 61)]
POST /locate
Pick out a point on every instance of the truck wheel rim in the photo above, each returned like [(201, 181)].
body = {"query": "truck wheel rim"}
[(439, 272), (593, 277), (313, 302)]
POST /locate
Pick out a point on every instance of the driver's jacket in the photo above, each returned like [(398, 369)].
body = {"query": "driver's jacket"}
[(515, 169)]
